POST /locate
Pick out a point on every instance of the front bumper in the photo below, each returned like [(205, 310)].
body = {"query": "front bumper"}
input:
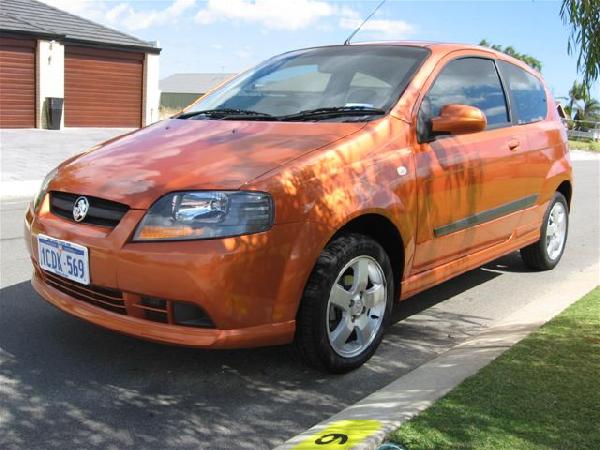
[(249, 286), (257, 336)]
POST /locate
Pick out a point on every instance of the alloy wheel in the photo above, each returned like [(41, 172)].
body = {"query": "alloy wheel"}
[(357, 304), (556, 231)]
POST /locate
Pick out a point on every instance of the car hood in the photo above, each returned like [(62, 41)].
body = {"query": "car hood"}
[(175, 155)]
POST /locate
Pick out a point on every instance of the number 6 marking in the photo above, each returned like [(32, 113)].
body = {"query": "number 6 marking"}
[(341, 434), (339, 439)]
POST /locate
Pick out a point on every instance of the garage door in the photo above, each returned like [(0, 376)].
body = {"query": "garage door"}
[(103, 88), (17, 83)]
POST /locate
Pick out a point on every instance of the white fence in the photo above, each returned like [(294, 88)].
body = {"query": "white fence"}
[(583, 129)]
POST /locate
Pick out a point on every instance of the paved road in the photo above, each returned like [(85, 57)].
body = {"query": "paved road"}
[(68, 384)]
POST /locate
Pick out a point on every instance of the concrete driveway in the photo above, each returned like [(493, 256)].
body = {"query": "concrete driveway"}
[(28, 155)]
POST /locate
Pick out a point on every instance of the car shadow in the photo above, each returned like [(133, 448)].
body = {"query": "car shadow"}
[(69, 383), (433, 296), (512, 263)]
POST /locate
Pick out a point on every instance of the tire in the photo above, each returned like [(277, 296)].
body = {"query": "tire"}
[(541, 255), (336, 301)]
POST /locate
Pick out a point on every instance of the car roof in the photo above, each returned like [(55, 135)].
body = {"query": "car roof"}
[(448, 47)]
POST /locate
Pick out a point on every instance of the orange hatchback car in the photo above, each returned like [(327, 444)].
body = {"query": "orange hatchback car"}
[(300, 200)]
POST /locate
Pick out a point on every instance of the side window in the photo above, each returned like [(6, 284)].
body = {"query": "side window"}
[(467, 81), (527, 93)]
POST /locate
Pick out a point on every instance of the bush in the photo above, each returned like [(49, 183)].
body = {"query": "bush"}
[(587, 145)]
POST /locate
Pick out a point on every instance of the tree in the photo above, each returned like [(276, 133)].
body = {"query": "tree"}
[(509, 50), (581, 106), (591, 110), (578, 93), (583, 16)]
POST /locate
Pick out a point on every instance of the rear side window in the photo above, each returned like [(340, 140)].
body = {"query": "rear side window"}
[(528, 96), (467, 81)]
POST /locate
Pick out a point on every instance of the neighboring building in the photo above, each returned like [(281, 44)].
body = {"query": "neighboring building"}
[(181, 89), (107, 78)]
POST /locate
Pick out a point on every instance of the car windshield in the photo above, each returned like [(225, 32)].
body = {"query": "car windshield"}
[(357, 82)]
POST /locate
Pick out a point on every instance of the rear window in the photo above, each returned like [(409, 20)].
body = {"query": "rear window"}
[(527, 93)]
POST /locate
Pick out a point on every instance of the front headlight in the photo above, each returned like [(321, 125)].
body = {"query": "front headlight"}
[(41, 193), (206, 215)]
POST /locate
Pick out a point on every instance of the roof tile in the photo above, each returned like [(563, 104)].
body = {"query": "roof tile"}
[(36, 17)]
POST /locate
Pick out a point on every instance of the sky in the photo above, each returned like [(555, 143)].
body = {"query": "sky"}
[(233, 35)]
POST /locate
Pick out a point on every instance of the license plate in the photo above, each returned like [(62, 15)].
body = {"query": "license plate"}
[(64, 258)]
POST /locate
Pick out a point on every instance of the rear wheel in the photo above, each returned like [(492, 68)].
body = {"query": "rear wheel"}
[(546, 253), (346, 304)]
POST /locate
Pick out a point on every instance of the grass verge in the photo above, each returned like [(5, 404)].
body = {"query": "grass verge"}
[(588, 146), (541, 394)]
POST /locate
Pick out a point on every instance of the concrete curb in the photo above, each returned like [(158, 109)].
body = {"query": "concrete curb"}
[(417, 390), (583, 155)]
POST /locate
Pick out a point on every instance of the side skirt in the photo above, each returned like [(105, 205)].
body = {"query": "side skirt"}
[(424, 280)]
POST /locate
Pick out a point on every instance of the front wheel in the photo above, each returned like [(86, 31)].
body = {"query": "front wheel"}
[(346, 304), (546, 253)]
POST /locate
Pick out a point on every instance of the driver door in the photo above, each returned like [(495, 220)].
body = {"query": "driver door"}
[(471, 187)]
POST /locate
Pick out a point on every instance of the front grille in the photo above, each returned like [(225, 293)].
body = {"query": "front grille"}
[(154, 309), (173, 312), (109, 299), (115, 301), (102, 212)]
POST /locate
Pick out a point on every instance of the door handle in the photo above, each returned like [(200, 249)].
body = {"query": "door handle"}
[(514, 144)]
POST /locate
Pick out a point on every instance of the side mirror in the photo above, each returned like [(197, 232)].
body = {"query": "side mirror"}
[(459, 119)]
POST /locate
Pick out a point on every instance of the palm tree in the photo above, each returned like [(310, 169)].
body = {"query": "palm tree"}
[(578, 93), (582, 18), (587, 114), (591, 110), (581, 106), (510, 50)]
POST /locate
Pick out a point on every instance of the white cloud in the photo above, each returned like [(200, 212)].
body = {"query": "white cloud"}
[(274, 14), (92, 9), (112, 15), (125, 14), (289, 15), (298, 14), (384, 28)]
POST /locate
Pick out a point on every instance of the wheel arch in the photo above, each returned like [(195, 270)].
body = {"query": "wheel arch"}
[(381, 229), (566, 189)]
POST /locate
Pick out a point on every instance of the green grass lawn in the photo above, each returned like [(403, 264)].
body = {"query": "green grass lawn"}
[(589, 146), (544, 393)]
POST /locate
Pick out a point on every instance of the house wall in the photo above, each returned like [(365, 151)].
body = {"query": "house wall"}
[(151, 98), (50, 82), (50, 77)]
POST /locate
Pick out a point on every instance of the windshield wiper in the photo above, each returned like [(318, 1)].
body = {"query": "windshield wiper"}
[(334, 111), (309, 114), (226, 114)]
